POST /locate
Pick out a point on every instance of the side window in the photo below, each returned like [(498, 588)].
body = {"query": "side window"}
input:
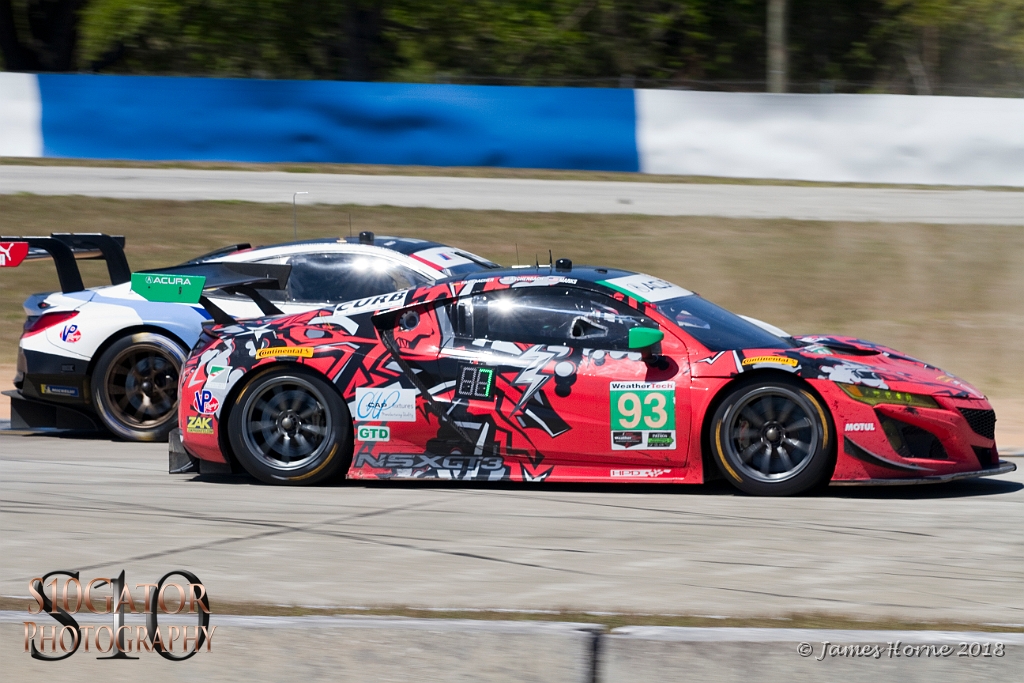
[(547, 315), (334, 278)]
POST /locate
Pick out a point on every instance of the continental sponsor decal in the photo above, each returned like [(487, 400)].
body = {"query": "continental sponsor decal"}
[(198, 424), (776, 360), (285, 352)]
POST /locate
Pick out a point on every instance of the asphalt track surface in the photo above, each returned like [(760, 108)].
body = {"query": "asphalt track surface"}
[(929, 552), (661, 199)]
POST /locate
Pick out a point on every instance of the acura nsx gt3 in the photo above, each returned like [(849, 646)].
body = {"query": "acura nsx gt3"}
[(578, 374)]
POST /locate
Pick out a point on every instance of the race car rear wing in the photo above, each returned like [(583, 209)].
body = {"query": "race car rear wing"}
[(187, 283), (65, 248)]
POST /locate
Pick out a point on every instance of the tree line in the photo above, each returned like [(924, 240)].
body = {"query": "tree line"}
[(918, 46)]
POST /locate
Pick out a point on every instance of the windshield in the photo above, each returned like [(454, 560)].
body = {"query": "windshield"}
[(717, 328), (468, 263)]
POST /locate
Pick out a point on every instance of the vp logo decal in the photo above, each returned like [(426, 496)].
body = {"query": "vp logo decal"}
[(70, 334), (205, 402)]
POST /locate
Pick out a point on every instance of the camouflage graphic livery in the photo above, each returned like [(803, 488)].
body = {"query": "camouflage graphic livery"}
[(571, 374)]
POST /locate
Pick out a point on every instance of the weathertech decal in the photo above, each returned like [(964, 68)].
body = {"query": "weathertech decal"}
[(776, 360), (285, 351), (643, 415)]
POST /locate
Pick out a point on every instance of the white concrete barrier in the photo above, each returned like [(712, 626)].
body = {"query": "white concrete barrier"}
[(842, 138), (651, 654)]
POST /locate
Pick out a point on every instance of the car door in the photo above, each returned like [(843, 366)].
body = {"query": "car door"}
[(543, 376)]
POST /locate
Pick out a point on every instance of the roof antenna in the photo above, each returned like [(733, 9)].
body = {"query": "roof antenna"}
[(551, 263), (517, 254), (295, 224), (350, 224), (536, 261)]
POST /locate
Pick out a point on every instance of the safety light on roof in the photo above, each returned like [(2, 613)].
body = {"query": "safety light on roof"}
[(873, 396)]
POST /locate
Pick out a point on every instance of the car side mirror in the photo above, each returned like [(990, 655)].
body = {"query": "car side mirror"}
[(643, 338)]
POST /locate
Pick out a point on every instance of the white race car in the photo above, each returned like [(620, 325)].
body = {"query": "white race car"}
[(106, 358)]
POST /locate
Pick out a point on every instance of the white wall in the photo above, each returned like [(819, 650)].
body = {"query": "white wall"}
[(21, 116), (844, 138)]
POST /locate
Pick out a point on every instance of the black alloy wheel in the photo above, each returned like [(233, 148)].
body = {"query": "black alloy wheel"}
[(290, 427), (773, 437), (135, 386)]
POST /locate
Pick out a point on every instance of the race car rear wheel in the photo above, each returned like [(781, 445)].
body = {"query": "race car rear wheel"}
[(290, 427), (135, 386), (772, 437)]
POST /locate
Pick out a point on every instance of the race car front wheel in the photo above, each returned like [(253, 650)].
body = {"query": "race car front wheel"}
[(290, 427), (772, 437), (135, 386)]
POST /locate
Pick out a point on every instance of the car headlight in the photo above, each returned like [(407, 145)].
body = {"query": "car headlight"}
[(873, 396)]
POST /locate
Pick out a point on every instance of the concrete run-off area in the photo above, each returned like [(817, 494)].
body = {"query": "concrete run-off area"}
[(827, 203), (930, 553)]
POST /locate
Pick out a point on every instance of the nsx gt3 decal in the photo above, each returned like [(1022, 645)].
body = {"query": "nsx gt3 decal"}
[(428, 466), (285, 351), (643, 415), (12, 254), (646, 288), (199, 425), (385, 404)]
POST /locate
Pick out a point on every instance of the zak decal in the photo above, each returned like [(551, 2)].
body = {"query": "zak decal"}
[(385, 404), (643, 415), (285, 351), (199, 425)]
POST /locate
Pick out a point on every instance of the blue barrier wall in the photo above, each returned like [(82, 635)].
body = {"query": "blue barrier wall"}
[(139, 117)]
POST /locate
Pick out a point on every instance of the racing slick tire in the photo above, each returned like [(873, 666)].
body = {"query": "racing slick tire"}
[(773, 437), (290, 427), (135, 386)]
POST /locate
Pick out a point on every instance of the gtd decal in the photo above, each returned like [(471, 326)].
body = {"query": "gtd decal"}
[(205, 402), (70, 334), (373, 433), (860, 426), (120, 639)]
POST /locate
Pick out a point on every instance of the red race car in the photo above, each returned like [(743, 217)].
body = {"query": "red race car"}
[(568, 374)]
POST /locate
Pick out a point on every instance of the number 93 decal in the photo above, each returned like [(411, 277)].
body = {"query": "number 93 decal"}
[(643, 415)]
